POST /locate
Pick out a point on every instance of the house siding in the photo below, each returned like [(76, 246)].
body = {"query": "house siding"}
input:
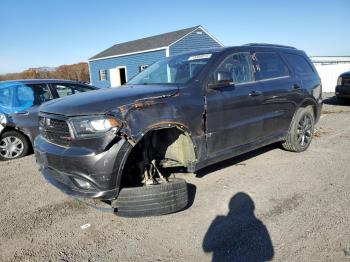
[(131, 62), (193, 41)]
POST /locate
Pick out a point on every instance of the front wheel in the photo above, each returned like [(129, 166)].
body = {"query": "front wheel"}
[(13, 145), (301, 131)]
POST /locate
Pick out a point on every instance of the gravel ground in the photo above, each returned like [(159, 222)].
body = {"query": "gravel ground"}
[(268, 204)]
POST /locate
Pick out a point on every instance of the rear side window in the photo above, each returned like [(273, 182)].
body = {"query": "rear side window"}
[(300, 65), (70, 89), (269, 65)]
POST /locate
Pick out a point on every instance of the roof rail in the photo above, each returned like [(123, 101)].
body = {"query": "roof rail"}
[(269, 45)]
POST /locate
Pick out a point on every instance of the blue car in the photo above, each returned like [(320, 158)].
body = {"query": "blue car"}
[(19, 107)]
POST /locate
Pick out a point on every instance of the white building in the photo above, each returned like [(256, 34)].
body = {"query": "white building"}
[(329, 68)]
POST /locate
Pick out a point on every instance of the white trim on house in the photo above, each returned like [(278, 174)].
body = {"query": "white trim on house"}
[(214, 38), (167, 52), (133, 53), (199, 27), (90, 73)]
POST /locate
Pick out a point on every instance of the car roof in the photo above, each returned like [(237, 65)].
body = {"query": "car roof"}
[(255, 46), (42, 81)]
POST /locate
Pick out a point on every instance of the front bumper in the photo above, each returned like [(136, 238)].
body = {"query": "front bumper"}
[(342, 91), (65, 167)]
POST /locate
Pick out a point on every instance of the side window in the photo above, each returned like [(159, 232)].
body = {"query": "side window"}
[(70, 89), (102, 74), (299, 64), (239, 66), (76, 89), (63, 90), (269, 65), (41, 93)]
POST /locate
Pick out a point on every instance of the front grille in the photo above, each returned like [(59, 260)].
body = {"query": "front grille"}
[(55, 130), (346, 81)]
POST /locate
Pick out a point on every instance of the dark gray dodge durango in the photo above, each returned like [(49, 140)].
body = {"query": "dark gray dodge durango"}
[(187, 111)]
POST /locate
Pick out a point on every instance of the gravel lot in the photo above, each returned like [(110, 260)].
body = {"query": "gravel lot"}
[(268, 204)]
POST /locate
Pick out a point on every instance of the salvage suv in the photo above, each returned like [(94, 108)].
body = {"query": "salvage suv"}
[(187, 111)]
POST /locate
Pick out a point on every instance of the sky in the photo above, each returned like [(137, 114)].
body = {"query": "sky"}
[(35, 33)]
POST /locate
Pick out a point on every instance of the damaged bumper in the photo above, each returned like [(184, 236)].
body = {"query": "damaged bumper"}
[(79, 171)]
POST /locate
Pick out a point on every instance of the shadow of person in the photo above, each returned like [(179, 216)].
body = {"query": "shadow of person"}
[(239, 236)]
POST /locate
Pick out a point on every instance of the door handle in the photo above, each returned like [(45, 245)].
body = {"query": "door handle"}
[(255, 93), (23, 113), (296, 86)]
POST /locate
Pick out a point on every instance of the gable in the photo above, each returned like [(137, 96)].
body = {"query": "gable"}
[(196, 40)]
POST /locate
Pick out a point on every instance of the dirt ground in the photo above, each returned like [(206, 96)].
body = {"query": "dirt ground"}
[(268, 204)]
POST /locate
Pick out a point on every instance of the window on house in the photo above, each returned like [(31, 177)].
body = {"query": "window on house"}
[(143, 67), (103, 74)]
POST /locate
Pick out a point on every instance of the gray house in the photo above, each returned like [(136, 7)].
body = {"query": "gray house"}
[(115, 65)]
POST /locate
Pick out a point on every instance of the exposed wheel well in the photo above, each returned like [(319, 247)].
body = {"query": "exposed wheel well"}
[(170, 147)]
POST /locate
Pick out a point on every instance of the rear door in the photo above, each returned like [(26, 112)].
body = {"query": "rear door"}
[(279, 87), (234, 112), (27, 120)]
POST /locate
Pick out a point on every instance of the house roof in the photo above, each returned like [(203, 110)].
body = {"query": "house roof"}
[(144, 44)]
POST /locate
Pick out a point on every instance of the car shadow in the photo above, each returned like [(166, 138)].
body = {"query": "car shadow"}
[(335, 102), (239, 236), (331, 101), (236, 160)]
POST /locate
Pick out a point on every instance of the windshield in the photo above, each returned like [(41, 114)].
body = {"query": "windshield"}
[(16, 97), (174, 70)]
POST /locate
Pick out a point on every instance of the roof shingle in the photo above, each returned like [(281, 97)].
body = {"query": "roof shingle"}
[(143, 44)]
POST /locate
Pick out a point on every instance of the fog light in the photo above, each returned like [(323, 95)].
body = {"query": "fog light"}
[(82, 183)]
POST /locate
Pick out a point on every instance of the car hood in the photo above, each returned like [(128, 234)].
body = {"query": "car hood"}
[(105, 100)]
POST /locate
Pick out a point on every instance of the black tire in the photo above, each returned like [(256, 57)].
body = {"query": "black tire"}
[(21, 137), (161, 199), (293, 141)]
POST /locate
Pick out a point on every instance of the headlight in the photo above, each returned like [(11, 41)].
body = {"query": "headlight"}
[(90, 126), (339, 81), (3, 119)]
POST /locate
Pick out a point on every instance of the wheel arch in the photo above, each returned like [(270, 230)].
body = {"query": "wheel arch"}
[(189, 149)]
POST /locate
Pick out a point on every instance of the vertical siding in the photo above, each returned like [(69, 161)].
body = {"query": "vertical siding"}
[(194, 41), (132, 63)]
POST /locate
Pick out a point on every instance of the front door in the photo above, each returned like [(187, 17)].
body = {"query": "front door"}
[(234, 112), (118, 76)]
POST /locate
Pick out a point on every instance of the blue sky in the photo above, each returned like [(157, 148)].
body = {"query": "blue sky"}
[(55, 32)]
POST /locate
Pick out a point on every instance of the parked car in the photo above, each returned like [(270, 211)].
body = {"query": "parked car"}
[(19, 107), (189, 111), (342, 90)]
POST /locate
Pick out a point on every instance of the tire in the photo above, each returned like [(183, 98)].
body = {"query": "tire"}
[(295, 141), (19, 141), (161, 199)]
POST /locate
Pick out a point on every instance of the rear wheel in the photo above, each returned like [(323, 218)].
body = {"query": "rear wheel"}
[(301, 130), (13, 145), (161, 199)]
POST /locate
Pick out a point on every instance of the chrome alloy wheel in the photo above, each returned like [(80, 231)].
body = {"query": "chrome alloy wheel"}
[(11, 147), (304, 130)]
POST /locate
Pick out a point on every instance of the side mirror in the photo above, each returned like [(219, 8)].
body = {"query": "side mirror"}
[(222, 79)]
